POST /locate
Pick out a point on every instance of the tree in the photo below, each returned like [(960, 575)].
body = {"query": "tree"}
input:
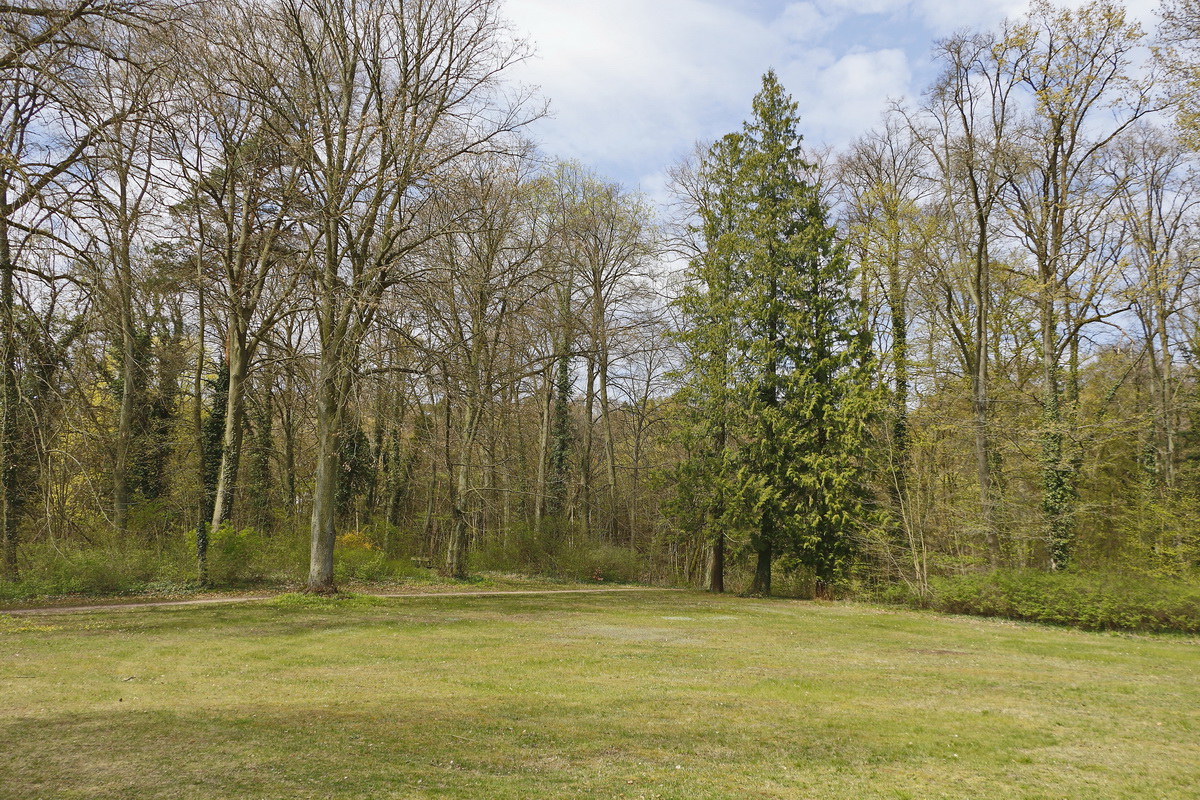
[(49, 55), (800, 367), (484, 276), (1157, 200), (884, 186), (712, 192), (1076, 67), (1179, 50), (234, 153), (388, 96), (968, 119), (605, 240)]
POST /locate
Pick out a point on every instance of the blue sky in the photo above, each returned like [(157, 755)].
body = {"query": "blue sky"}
[(633, 84)]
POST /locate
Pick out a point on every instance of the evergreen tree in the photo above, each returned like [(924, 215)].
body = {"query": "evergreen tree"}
[(778, 353), (704, 479)]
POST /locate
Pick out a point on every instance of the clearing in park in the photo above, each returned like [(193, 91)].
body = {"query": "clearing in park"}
[(647, 694)]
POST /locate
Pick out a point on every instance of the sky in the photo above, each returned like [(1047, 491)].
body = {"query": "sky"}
[(633, 85)]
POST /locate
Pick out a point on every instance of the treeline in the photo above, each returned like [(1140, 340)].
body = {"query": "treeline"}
[(287, 277)]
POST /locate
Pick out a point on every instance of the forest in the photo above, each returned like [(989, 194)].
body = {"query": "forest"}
[(288, 293)]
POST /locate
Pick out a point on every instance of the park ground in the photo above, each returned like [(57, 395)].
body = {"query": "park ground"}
[(624, 694)]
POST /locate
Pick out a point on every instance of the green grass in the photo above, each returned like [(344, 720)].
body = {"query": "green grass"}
[(672, 695)]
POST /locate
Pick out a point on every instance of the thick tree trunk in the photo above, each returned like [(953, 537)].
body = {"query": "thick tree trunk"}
[(585, 455), (323, 524), (610, 451), (541, 491), (560, 447), (202, 515), (981, 289), (1056, 488), (456, 552)]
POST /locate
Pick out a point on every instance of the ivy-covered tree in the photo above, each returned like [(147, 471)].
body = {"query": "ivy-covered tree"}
[(775, 287)]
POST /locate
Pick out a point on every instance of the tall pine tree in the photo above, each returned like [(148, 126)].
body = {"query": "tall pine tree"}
[(779, 363)]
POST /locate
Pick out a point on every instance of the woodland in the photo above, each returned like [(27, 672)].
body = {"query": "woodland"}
[(288, 294)]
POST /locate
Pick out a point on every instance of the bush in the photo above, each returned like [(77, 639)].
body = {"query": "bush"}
[(371, 566), (235, 556), (106, 567), (1090, 601), (556, 553)]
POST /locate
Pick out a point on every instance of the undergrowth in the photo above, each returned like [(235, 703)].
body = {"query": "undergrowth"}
[(1090, 601)]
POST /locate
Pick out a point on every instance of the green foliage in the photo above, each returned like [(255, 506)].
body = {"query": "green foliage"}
[(357, 468), (371, 566), (779, 370), (236, 556), (1081, 600), (106, 568), (556, 553), (155, 390)]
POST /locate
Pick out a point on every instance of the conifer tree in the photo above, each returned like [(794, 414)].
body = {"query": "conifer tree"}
[(778, 352)]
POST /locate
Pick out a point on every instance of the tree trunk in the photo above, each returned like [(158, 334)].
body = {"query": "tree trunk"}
[(981, 289), (231, 440), (585, 455), (716, 566), (610, 452), (456, 552), (129, 393), (1055, 484), (9, 500), (202, 515), (761, 585), (330, 396), (541, 492)]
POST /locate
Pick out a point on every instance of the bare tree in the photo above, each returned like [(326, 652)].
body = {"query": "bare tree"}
[(884, 183), (608, 241), (1158, 199), (388, 95), (485, 275), (235, 154), (49, 55), (1077, 68)]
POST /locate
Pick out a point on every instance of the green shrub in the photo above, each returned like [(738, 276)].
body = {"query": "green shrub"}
[(108, 566), (370, 566), (558, 552), (233, 555), (1091, 601), (601, 563)]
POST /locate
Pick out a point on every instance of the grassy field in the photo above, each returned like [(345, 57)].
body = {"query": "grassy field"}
[(669, 694)]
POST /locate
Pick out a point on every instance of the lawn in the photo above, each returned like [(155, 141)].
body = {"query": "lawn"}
[(669, 694)]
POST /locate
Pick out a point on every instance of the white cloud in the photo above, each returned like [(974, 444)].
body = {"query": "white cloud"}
[(626, 75), (633, 83), (842, 98), (803, 22)]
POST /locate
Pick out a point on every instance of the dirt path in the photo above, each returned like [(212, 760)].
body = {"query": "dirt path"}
[(251, 598)]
